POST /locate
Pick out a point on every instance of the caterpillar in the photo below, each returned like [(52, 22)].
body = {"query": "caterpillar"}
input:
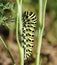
[(28, 32)]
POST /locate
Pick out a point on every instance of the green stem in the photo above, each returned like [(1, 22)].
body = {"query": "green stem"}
[(19, 46), (42, 9), (19, 22), (19, 14), (7, 49)]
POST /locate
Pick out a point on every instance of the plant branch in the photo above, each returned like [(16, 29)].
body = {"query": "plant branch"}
[(7, 49), (42, 9), (19, 26)]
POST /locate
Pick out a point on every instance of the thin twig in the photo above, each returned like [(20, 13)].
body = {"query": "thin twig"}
[(7, 49)]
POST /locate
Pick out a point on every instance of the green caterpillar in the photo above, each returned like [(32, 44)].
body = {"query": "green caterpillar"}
[(29, 24)]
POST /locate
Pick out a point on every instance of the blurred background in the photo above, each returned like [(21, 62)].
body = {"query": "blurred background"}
[(7, 31)]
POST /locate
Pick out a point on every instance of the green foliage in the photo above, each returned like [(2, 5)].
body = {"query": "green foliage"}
[(6, 8), (3, 19)]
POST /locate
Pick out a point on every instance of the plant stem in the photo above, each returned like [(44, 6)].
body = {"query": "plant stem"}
[(7, 49), (19, 14), (19, 46), (19, 26), (42, 9)]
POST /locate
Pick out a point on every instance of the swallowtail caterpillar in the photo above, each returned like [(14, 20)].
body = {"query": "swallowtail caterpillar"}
[(28, 32)]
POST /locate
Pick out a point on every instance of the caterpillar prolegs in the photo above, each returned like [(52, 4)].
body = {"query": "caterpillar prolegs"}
[(28, 32)]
